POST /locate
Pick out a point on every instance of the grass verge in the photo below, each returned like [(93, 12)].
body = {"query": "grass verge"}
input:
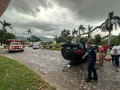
[(15, 76)]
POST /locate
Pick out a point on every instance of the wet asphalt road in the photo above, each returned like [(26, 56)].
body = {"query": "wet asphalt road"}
[(52, 67)]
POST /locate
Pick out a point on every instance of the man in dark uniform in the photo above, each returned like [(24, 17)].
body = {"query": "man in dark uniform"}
[(93, 55)]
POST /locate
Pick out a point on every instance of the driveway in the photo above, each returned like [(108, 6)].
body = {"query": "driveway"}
[(53, 68)]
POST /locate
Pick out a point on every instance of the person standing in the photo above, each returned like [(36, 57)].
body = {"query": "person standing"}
[(105, 47), (102, 56), (116, 52), (112, 54), (92, 54)]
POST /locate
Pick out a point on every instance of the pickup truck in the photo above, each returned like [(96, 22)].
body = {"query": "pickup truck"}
[(15, 45)]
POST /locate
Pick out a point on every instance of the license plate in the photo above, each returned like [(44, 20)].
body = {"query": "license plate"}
[(16, 49), (68, 47)]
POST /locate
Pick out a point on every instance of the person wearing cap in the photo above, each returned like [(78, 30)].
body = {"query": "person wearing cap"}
[(93, 55)]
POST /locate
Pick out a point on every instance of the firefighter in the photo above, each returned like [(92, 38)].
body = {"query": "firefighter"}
[(93, 55)]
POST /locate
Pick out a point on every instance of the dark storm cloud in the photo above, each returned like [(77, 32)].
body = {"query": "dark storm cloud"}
[(76, 12), (43, 26), (27, 6), (91, 9), (38, 25)]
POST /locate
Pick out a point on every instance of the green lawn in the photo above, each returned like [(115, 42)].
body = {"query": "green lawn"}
[(15, 76)]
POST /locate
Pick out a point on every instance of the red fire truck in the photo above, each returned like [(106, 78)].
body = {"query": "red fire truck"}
[(15, 45)]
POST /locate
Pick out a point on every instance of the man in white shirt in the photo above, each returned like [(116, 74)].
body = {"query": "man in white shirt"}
[(116, 52)]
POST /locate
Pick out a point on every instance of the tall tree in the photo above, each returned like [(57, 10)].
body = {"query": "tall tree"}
[(75, 34), (8, 36), (65, 36), (4, 25), (81, 28), (89, 29), (34, 38), (65, 33), (111, 22), (97, 39), (29, 32), (98, 27)]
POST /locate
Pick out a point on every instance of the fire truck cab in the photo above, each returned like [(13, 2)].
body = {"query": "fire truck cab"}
[(15, 45)]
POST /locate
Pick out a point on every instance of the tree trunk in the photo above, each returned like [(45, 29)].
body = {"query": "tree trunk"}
[(79, 31), (109, 38), (79, 36)]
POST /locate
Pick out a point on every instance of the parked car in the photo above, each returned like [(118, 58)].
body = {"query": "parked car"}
[(37, 45), (15, 45), (30, 44), (73, 52)]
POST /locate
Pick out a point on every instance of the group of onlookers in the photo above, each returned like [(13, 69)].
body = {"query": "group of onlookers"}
[(96, 53), (114, 51), (115, 54)]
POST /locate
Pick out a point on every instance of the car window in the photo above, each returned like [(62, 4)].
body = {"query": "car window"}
[(15, 43)]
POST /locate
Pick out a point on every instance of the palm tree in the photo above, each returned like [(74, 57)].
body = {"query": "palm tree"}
[(29, 32), (4, 25), (89, 29), (74, 34), (108, 25), (81, 28), (98, 27)]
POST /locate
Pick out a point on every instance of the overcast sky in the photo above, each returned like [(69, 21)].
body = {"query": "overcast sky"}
[(49, 17)]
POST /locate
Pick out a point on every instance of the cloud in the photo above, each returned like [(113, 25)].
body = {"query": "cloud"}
[(95, 10), (27, 6)]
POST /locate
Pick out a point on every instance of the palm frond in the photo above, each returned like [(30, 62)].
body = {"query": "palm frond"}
[(115, 24), (10, 27), (7, 24), (4, 21), (118, 22), (1, 22), (103, 24), (89, 28), (116, 18)]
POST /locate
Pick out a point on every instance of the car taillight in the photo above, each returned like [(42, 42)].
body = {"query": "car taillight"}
[(78, 52)]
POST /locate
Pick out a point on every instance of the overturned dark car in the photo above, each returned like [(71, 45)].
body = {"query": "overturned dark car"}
[(73, 52)]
